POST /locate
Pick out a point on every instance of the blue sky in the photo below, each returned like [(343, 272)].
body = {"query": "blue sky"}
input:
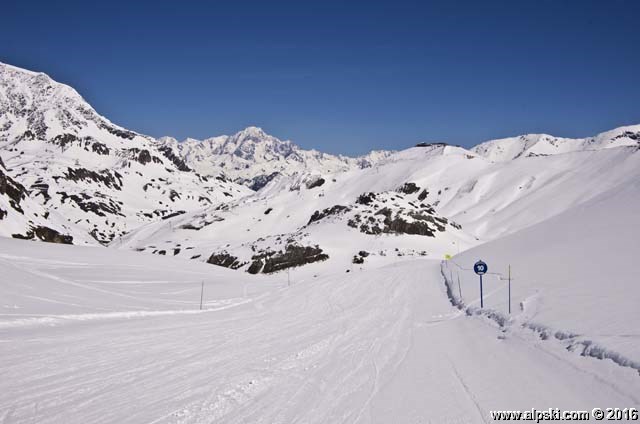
[(341, 77)]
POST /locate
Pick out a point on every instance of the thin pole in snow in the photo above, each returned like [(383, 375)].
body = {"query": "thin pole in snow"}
[(459, 288), (201, 294), (509, 288), (288, 276), (481, 299)]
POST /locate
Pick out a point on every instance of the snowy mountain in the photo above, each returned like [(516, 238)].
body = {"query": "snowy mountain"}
[(245, 279), (250, 197), (23, 217), (103, 178), (254, 158), (529, 145)]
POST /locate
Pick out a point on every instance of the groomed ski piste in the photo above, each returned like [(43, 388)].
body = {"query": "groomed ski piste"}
[(103, 336)]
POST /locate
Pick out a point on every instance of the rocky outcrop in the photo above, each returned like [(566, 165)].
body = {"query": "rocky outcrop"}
[(226, 260), (45, 234), (334, 210), (293, 256), (105, 177), (409, 188)]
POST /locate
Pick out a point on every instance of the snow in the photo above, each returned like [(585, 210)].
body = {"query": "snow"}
[(379, 330), (372, 346), (574, 273)]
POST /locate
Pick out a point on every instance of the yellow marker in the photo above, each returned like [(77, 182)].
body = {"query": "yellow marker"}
[(447, 256)]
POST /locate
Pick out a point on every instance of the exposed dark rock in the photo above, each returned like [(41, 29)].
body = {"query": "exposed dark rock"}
[(3, 213), (63, 140), (226, 260), (52, 236), (400, 226), (259, 181), (175, 159), (100, 208), (256, 266), (293, 256), (409, 188), (363, 253), (41, 188), (334, 210), (45, 234), (366, 199), (173, 195), (431, 144), (128, 135), (106, 177), (423, 195), (176, 213), (142, 156), (357, 260), (99, 148), (315, 182), (200, 224), (268, 211), (629, 134), (12, 189)]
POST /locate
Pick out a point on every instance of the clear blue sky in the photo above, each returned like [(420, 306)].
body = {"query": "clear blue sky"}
[(340, 76)]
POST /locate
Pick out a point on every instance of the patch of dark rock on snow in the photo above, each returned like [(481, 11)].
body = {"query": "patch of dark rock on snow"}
[(226, 260), (12, 189), (258, 182), (268, 211), (168, 153), (45, 234), (97, 207), (293, 256), (334, 210), (142, 156), (103, 177), (176, 213), (409, 188), (315, 182), (423, 195), (366, 199)]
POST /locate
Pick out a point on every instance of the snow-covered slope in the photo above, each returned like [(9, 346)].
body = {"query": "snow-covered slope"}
[(529, 145), (476, 199), (575, 275), (253, 157), (23, 217), (101, 177), (102, 336)]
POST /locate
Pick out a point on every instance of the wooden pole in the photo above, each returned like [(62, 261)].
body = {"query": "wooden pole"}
[(201, 294), (509, 289)]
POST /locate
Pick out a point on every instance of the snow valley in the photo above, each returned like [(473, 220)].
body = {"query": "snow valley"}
[(243, 279)]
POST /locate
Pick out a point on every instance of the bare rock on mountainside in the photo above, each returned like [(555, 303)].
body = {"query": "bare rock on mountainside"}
[(293, 256)]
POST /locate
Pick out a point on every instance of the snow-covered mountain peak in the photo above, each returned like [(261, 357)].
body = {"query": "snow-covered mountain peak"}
[(530, 145)]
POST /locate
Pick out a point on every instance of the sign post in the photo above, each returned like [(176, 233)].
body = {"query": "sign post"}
[(480, 268), (509, 289), (201, 294)]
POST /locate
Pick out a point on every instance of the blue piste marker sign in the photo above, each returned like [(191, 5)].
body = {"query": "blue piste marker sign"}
[(480, 268)]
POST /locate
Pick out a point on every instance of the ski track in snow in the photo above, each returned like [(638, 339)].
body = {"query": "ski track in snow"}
[(370, 347)]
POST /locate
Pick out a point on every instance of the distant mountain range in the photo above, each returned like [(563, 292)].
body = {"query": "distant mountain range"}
[(253, 202)]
